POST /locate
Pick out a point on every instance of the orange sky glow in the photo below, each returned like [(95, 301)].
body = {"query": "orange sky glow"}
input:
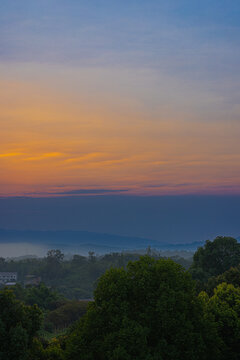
[(91, 129)]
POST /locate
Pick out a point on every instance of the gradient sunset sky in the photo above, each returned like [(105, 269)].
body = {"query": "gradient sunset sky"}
[(105, 96)]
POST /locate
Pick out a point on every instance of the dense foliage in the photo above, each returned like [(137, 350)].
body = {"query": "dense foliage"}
[(150, 309), (224, 306), (41, 295), (231, 276), (18, 326), (215, 257), (66, 314)]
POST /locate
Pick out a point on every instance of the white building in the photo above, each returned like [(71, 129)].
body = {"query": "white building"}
[(8, 277)]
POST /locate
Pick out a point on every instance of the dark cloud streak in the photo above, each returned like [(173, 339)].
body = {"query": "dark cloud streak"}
[(89, 191)]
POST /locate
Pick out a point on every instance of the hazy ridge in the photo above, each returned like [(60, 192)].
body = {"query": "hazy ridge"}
[(98, 241)]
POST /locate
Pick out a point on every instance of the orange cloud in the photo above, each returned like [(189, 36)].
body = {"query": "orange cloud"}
[(11, 154)]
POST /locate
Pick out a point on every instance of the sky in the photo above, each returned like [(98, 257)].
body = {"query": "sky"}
[(121, 116), (111, 96)]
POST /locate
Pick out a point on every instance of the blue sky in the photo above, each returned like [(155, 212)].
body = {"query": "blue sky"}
[(147, 32), (194, 41)]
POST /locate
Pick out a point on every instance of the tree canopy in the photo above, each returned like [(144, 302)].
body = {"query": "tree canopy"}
[(215, 257), (148, 311), (18, 326), (231, 276), (224, 306)]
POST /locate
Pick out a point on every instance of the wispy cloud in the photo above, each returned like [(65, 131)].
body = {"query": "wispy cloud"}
[(11, 154), (44, 156), (85, 157)]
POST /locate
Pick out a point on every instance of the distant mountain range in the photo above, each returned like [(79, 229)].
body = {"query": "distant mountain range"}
[(99, 242)]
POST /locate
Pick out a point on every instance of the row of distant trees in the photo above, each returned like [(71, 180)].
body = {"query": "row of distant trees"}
[(74, 277)]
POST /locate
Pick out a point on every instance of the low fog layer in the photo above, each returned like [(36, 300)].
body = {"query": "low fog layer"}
[(22, 249), (14, 250)]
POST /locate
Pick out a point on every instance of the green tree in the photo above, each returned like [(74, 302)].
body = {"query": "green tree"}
[(231, 276), (41, 295), (18, 326), (91, 256), (215, 257), (149, 311), (44, 297), (54, 264), (55, 255), (66, 314), (52, 351), (224, 307)]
